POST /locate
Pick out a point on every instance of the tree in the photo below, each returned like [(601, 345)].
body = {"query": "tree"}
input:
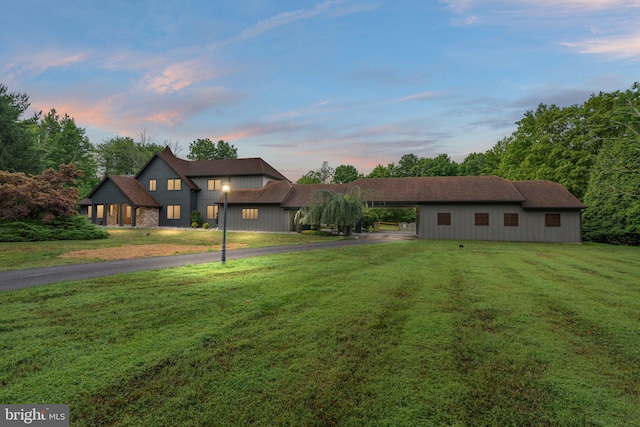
[(382, 171), (123, 155), (473, 165), (558, 144), (342, 211), (613, 195), (440, 165), (345, 174), (320, 176), (17, 140), (205, 149), (60, 141), (42, 197)]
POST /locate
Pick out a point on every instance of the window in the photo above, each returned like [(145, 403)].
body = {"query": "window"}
[(89, 211), (173, 184), (249, 213), (511, 220), (152, 185), (99, 211), (173, 211), (113, 210), (444, 218), (214, 184), (482, 219), (212, 211), (552, 220)]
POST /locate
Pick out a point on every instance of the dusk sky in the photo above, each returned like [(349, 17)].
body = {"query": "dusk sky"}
[(358, 82)]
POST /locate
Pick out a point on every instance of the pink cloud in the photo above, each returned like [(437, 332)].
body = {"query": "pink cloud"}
[(178, 76), (623, 47)]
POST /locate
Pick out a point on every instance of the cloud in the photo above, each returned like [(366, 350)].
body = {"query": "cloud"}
[(424, 96), (178, 76), (621, 47), (34, 64)]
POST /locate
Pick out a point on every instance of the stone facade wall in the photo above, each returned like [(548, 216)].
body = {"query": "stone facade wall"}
[(147, 217), (112, 220)]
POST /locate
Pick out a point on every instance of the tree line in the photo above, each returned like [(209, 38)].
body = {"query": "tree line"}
[(593, 149)]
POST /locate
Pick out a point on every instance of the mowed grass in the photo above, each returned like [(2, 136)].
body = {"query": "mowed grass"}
[(396, 334), (15, 256)]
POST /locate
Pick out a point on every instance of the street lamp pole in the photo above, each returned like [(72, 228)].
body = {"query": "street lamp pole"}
[(226, 187)]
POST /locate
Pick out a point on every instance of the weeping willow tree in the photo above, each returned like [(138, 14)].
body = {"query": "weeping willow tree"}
[(338, 210)]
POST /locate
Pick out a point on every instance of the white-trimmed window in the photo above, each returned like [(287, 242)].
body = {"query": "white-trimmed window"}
[(249, 213), (214, 184), (212, 211), (173, 184), (173, 211), (152, 184)]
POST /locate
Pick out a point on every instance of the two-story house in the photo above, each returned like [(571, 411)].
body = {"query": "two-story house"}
[(167, 189)]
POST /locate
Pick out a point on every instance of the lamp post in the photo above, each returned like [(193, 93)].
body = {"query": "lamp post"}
[(226, 187)]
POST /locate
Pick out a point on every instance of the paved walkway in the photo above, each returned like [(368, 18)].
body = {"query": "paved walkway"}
[(18, 279)]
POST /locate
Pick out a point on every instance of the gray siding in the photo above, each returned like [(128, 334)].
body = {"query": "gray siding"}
[(161, 172), (109, 193), (270, 218), (531, 224)]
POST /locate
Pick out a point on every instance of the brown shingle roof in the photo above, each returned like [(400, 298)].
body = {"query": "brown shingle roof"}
[(406, 191), (134, 191), (232, 167), (547, 195), (179, 166), (273, 192), (442, 189), (301, 193)]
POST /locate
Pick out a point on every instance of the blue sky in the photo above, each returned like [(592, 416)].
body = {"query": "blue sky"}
[(358, 82)]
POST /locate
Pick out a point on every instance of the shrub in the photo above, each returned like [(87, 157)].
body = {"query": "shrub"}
[(62, 228), (205, 225), (196, 218)]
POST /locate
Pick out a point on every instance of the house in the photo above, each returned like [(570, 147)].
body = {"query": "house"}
[(168, 189)]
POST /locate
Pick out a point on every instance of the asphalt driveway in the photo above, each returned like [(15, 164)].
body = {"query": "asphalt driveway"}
[(18, 279)]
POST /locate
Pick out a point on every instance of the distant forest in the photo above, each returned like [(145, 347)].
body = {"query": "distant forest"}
[(593, 149)]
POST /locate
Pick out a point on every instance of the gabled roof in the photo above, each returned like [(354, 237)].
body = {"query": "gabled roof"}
[(232, 167), (132, 189), (442, 189), (417, 190), (547, 195), (273, 192), (186, 169)]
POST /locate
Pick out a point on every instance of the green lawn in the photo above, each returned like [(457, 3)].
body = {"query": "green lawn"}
[(404, 333), (15, 256)]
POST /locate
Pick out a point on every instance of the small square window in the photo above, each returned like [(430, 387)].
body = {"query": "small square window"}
[(444, 218), (214, 184), (482, 219), (552, 220), (173, 184), (511, 220)]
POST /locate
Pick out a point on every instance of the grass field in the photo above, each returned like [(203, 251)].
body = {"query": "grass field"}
[(404, 333), (137, 242)]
